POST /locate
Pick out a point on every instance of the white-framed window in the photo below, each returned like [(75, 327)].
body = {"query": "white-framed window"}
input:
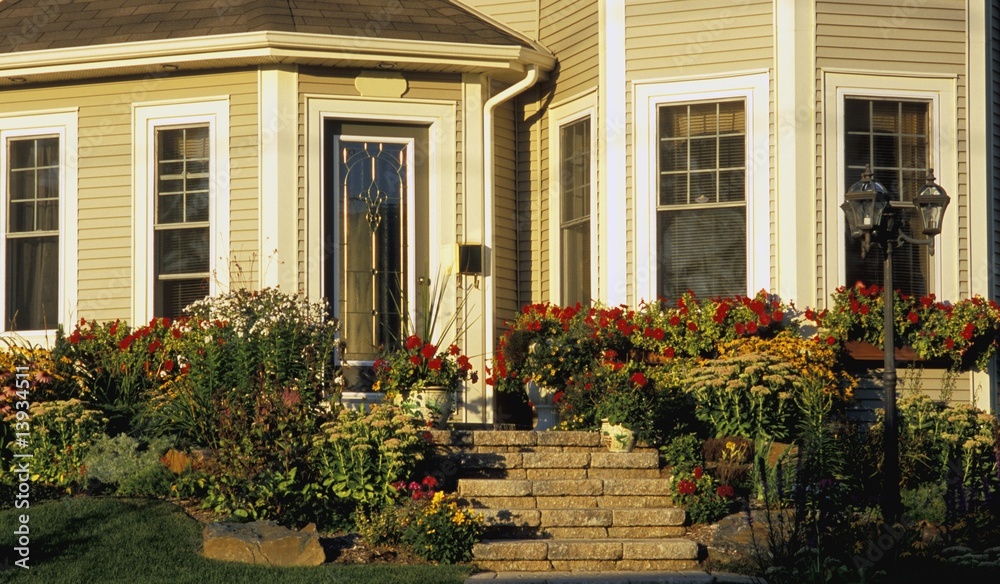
[(573, 221), (181, 204), (902, 126), (701, 193), (38, 232)]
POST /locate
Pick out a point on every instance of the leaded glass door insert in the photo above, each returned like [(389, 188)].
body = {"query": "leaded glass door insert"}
[(374, 180)]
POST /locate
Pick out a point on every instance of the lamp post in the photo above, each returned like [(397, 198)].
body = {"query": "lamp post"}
[(872, 217)]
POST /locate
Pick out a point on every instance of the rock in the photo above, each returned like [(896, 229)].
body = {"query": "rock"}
[(263, 542), (956, 550), (734, 533)]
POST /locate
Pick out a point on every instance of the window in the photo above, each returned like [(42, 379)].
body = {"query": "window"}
[(701, 234), (32, 254), (180, 204), (181, 225), (575, 213), (894, 137), (702, 210)]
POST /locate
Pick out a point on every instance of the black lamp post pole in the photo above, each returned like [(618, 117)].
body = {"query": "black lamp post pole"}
[(890, 466)]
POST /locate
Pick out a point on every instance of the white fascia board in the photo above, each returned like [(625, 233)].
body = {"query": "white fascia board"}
[(274, 46)]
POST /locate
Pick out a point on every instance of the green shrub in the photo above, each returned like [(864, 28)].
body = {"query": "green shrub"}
[(925, 503), (127, 467), (380, 526), (683, 453)]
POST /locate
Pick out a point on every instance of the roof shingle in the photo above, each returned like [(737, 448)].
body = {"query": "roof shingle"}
[(105, 21)]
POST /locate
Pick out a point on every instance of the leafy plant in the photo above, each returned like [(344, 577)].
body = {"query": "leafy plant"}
[(700, 495), (360, 455), (419, 364), (438, 530), (683, 453), (62, 433), (127, 467)]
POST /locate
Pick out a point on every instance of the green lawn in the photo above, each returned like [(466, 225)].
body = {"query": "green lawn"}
[(135, 541)]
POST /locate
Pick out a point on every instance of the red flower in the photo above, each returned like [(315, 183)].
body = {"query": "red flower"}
[(810, 314), (765, 320), (675, 320), (185, 368), (114, 328), (638, 379), (558, 396), (428, 350), (74, 338), (416, 360), (855, 305), (830, 340), (698, 472), (865, 309), (168, 365), (913, 317), (927, 301), (125, 343), (725, 491), (453, 349), (166, 322), (752, 328), (739, 328), (692, 326), (968, 331), (658, 334), (686, 487), (669, 352), (464, 363), (176, 333), (429, 482), (156, 344), (412, 342), (434, 364), (949, 344)]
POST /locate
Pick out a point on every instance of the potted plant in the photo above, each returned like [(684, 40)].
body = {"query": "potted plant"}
[(423, 376), (622, 405)]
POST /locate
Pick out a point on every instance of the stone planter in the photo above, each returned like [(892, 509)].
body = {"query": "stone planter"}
[(360, 400)]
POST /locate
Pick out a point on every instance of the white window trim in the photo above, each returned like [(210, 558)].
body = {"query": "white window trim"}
[(940, 93), (560, 117), (63, 123), (753, 88), (146, 118), (440, 117)]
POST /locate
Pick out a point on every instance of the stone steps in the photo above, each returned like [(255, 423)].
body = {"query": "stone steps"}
[(586, 555), (559, 501)]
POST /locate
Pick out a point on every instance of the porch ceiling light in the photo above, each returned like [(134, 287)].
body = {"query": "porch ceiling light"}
[(865, 206)]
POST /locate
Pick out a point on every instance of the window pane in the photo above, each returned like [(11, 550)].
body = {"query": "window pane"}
[(197, 207), (575, 262), (673, 189), (48, 152), (703, 188), (47, 215), (171, 209), (173, 296), (731, 152), (21, 184), (373, 192), (182, 251), (22, 153), (48, 183), (22, 216), (674, 122), (900, 154), (703, 121), (701, 250), (732, 186), (32, 283)]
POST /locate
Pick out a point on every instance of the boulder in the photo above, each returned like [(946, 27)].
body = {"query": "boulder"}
[(743, 535), (263, 542)]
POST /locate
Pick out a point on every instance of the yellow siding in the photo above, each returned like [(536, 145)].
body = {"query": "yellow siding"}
[(935, 383), (105, 171), (528, 189), (570, 30), (689, 38), (898, 36), (520, 15), (506, 216)]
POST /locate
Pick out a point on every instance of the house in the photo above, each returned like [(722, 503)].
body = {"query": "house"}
[(513, 151)]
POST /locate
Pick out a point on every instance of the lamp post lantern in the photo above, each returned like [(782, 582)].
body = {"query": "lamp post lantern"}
[(872, 217)]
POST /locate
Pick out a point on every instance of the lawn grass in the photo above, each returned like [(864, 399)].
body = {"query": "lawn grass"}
[(137, 541)]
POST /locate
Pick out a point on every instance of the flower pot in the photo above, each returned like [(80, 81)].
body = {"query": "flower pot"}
[(539, 394), (360, 400), (433, 404), (622, 439), (547, 417)]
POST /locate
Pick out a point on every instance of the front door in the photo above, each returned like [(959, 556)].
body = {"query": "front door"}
[(375, 224)]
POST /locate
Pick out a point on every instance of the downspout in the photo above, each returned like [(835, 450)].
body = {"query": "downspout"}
[(489, 166)]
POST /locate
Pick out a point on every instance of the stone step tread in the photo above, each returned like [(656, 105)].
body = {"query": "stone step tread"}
[(605, 550), (657, 577), (647, 459), (562, 487), (588, 517), (569, 502)]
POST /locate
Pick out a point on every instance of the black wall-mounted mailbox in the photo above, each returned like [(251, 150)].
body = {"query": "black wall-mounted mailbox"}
[(470, 258)]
